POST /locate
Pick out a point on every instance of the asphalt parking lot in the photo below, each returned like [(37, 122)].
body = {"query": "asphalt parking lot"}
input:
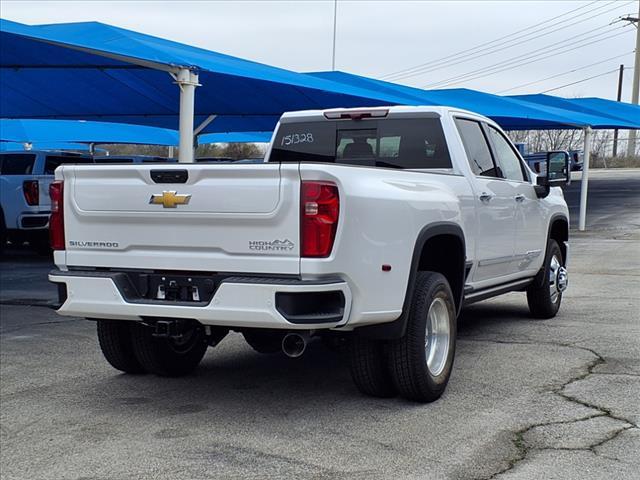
[(528, 399)]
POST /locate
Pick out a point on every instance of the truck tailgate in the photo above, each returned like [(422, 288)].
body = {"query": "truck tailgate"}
[(215, 218)]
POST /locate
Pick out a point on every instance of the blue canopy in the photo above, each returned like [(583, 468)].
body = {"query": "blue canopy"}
[(16, 146), (94, 71), (235, 137), (510, 113), (619, 109), (79, 131), (618, 114)]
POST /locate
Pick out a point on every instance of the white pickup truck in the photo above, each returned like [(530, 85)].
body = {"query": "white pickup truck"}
[(371, 227)]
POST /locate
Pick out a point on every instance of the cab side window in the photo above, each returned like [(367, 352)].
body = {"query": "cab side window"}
[(506, 157), (17, 163), (477, 148)]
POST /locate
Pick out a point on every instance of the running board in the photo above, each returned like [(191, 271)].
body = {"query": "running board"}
[(472, 296)]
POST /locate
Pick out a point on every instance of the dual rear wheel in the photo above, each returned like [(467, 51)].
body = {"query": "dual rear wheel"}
[(418, 365), (131, 347)]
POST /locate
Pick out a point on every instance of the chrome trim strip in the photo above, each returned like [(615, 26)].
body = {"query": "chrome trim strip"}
[(495, 261)]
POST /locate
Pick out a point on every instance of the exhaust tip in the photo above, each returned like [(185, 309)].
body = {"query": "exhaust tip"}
[(294, 345)]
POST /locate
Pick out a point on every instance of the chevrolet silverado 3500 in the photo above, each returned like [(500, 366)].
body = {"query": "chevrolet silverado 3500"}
[(374, 227)]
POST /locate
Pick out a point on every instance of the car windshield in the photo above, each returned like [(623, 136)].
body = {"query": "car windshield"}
[(415, 143)]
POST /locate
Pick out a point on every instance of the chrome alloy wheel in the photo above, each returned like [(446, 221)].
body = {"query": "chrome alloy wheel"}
[(438, 336), (558, 279)]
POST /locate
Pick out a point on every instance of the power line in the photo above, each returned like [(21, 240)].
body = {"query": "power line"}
[(509, 64), (463, 56), (474, 55), (564, 73), (580, 81), (446, 57), (530, 54)]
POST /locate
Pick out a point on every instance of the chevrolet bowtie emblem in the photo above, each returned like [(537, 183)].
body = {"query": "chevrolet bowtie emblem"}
[(169, 199)]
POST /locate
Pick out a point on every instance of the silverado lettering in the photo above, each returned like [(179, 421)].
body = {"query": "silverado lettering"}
[(82, 244)]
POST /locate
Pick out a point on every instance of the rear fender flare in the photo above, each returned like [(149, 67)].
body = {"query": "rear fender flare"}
[(397, 328)]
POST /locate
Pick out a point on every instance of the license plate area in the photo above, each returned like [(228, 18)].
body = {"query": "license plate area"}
[(166, 287), (180, 288)]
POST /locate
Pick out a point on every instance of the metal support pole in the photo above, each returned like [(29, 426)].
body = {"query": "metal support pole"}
[(187, 80), (619, 98), (585, 179), (635, 89), (204, 124)]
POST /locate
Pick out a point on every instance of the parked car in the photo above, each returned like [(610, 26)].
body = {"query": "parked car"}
[(369, 227), (536, 161), (25, 205), (133, 159), (576, 159)]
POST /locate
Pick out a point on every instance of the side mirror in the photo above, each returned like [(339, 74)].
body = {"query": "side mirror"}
[(556, 172)]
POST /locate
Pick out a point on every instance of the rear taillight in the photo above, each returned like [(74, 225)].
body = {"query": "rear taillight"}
[(31, 192), (319, 209), (56, 222)]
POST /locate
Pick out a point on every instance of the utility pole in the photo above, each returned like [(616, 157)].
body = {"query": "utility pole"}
[(631, 144), (335, 24), (619, 97)]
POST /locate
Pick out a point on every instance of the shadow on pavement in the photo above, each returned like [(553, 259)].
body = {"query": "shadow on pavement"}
[(233, 378)]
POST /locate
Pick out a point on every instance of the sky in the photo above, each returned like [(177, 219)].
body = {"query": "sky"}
[(379, 38)]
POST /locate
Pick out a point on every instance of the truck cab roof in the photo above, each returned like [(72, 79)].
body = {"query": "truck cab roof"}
[(395, 111)]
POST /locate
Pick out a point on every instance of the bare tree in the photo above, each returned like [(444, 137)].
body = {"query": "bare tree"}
[(230, 150)]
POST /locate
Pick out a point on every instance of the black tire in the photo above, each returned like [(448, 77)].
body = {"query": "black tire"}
[(41, 245), (336, 344), (165, 356), (408, 358), (369, 362), (264, 341), (539, 297), (114, 337)]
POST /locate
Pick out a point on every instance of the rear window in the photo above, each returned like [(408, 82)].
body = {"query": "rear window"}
[(395, 143), (54, 161), (17, 163)]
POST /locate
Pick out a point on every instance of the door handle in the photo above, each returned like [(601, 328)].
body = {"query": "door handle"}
[(485, 197), (520, 198)]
